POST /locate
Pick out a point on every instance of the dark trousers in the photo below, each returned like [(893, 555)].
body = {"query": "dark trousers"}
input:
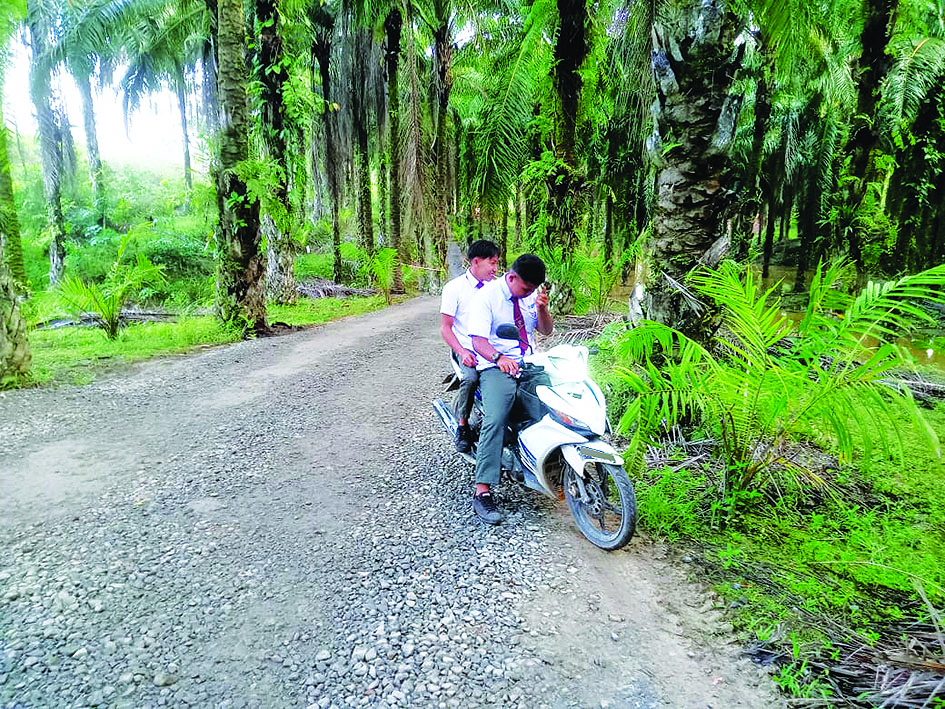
[(503, 395), (469, 380)]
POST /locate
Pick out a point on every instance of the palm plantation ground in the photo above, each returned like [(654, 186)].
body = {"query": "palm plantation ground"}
[(282, 522), (784, 434)]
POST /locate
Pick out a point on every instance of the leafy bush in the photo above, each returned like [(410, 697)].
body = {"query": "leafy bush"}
[(765, 380), (318, 265), (93, 260), (106, 301)]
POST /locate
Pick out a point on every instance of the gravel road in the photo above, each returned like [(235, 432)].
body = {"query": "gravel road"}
[(281, 523)]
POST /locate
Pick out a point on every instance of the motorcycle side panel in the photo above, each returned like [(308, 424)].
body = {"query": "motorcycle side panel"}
[(537, 442)]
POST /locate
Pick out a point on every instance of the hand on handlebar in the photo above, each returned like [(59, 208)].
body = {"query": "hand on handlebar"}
[(468, 358), (507, 365)]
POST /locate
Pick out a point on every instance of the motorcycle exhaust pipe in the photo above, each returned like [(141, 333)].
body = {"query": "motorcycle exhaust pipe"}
[(447, 418)]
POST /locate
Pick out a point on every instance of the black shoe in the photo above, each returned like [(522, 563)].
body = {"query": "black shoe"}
[(463, 435), (484, 506)]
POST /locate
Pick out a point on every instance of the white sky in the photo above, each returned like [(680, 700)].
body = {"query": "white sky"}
[(154, 139)]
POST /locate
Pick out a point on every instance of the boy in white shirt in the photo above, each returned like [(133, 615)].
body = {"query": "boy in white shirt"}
[(518, 298), (483, 257)]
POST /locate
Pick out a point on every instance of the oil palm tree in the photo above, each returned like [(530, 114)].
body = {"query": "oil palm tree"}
[(14, 345), (393, 26), (755, 387), (38, 18), (85, 42), (162, 47), (272, 76), (322, 17), (694, 56), (499, 76), (241, 298), (565, 181), (10, 241)]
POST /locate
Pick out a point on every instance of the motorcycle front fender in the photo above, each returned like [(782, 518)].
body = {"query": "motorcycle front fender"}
[(580, 454)]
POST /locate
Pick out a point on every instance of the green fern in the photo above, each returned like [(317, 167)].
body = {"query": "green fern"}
[(106, 300), (764, 381)]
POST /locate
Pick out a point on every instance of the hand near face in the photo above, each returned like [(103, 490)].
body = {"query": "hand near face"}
[(542, 299)]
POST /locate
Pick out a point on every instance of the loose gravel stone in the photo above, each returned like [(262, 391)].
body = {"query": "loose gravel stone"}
[(281, 522)]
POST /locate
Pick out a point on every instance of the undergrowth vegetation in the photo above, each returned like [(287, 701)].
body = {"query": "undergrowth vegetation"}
[(795, 462), (154, 252)]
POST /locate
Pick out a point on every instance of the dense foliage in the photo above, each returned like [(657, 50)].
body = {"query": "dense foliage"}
[(636, 145)]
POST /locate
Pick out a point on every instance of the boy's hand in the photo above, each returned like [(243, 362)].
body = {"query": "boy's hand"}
[(542, 300), (468, 358), (508, 365)]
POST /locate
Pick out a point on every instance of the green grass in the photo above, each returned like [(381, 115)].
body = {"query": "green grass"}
[(78, 355), (315, 312), (801, 566), (795, 572)]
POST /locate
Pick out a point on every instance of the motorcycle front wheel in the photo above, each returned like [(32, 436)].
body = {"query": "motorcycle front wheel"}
[(602, 503)]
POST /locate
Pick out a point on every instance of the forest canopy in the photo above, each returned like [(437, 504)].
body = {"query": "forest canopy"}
[(649, 138)]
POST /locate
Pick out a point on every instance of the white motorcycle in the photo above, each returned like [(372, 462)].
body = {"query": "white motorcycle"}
[(563, 454)]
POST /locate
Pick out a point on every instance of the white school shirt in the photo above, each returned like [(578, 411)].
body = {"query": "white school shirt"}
[(493, 307), (456, 300)]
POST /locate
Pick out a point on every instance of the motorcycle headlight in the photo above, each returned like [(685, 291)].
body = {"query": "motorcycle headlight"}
[(567, 420)]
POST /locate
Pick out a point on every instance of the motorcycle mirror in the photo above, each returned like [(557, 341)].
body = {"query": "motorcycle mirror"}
[(507, 332)]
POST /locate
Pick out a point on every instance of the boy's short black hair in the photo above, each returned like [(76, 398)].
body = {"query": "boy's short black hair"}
[(530, 268), (482, 249)]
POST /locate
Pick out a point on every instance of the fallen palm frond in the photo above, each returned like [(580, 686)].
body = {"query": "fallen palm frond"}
[(323, 288), (901, 667), (575, 329)]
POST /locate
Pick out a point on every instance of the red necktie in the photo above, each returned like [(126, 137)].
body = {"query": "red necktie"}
[(520, 324)]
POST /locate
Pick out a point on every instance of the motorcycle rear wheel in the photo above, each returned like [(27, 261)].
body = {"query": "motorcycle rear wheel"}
[(607, 516)]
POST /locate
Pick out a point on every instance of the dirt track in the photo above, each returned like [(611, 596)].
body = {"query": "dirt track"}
[(282, 523)]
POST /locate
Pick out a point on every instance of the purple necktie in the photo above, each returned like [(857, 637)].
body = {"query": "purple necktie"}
[(479, 284), (520, 324)]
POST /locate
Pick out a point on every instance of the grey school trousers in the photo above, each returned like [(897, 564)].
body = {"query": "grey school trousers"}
[(503, 395)]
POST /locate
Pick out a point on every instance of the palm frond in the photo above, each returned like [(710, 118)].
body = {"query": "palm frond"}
[(918, 70)]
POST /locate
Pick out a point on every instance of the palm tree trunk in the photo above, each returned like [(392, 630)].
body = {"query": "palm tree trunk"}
[(272, 75), (96, 174), (609, 228), (182, 108), (565, 184), (14, 346), (50, 150), (694, 69), (11, 245), (768, 247), (872, 67), (208, 60), (442, 58), (504, 238), (70, 164), (362, 155), (241, 297), (519, 214), (321, 52), (393, 25)]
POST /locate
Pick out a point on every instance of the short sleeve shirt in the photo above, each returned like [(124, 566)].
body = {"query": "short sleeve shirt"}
[(456, 301), (493, 307)]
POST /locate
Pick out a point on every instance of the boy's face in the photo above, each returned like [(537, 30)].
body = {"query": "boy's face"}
[(519, 287), (484, 269)]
